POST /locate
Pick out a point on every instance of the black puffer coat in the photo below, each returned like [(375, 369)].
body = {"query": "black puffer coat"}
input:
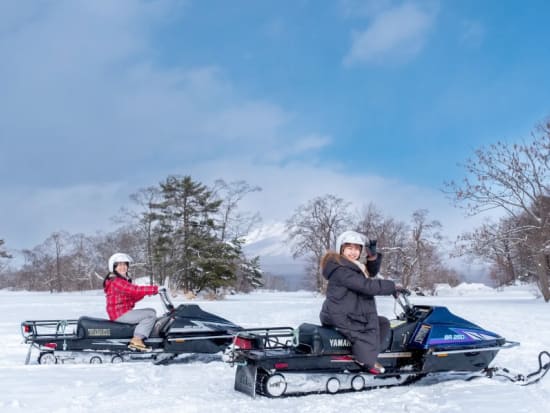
[(350, 306)]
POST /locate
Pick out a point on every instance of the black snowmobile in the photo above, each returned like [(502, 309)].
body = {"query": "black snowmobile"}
[(424, 341), (184, 330)]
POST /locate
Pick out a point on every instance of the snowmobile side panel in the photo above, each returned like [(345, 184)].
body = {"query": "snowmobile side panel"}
[(89, 327), (464, 361), (316, 339), (197, 344)]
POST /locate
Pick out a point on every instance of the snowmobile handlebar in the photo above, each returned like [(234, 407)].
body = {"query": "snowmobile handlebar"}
[(163, 293), (402, 299)]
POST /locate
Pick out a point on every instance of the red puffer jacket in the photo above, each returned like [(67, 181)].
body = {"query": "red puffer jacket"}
[(122, 295)]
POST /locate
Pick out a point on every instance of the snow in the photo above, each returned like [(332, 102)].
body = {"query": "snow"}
[(516, 313)]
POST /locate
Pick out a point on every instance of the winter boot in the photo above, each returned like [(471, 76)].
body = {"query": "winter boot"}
[(377, 369), (137, 343)]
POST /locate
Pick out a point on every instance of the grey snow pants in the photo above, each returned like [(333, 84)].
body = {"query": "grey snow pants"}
[(145, 319)]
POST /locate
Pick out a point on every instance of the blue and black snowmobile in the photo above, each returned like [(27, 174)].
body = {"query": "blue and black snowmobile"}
[(424, 341), (179, 333)]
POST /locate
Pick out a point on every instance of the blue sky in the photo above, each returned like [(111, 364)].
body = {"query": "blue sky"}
[(374, 101)]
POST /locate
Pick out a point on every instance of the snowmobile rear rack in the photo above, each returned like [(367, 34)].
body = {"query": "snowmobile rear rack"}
[(261, 340), (46, 330)]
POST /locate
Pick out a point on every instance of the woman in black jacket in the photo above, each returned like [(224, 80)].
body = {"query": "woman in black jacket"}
[(349, 305)]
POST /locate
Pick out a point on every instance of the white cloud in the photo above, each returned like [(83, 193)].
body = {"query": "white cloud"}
[(32, 214), (285, 187), (394, 34), (92, 118), (99, 92)]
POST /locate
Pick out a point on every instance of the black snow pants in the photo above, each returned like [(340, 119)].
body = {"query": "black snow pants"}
[(367, 344)]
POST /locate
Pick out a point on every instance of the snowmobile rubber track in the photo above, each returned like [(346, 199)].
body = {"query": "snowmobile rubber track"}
[(257, 381)]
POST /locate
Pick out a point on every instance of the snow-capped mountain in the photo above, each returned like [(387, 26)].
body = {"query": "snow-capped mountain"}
[(270, 243)]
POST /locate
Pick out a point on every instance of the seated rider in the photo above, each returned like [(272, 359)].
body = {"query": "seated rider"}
[(350, 306), (122, 296)]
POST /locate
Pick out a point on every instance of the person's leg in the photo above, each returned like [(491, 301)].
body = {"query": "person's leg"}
[(145, 319), (364, 346), (384, 331)]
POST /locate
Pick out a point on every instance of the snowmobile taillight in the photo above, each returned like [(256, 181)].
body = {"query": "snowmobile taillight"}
[(27, 328), (344, 358), (280, 366), (53, 346), (242, 343)]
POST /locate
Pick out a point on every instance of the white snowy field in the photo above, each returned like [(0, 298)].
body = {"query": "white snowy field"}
[(197, 387)]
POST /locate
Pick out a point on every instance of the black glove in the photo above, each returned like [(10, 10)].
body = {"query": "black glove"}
[(371, 248), (399, 289)]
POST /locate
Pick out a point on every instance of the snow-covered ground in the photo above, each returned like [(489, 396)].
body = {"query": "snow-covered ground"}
[(514, 313)]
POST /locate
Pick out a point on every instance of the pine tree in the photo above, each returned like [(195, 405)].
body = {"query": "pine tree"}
[(185, 237)]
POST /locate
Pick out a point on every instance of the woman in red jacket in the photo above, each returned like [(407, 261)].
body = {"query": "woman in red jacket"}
[(122, 296)]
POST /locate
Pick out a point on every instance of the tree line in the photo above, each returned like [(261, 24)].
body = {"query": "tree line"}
[(413, 252), (181, 232), (193, 234)]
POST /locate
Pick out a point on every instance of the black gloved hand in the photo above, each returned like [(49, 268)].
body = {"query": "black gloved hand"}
[(371, 248), (399, 289)]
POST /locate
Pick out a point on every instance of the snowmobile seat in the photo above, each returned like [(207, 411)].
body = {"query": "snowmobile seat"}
[(89, 327), (317, 339)]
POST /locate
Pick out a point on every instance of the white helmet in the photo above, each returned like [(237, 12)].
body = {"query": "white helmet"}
[(350, 237), (119, 257)]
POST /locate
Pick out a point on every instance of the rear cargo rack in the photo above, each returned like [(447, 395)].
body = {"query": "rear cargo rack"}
[(269, 338), (45, 329)]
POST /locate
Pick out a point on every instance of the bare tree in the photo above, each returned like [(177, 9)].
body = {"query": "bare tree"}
[(234, 224), (45, 265), (424, 236), (514, 179), (54, 249), (390, 234), (313, 229), (84, 263), (3, 254), (143, 220), (495, 243)]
